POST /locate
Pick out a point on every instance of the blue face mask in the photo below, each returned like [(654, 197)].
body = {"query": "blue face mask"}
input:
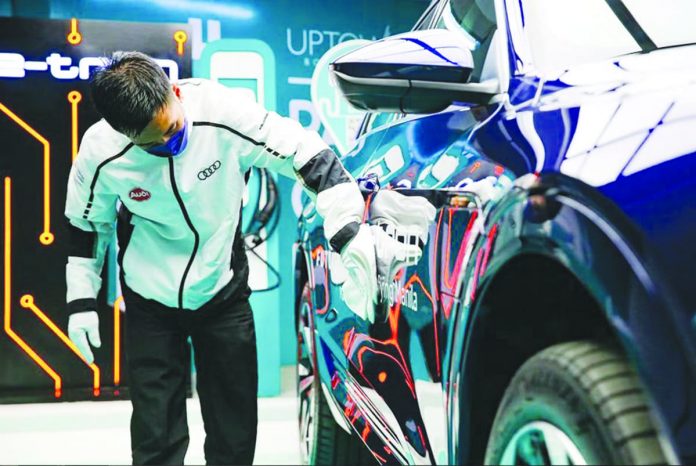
[(175, 145)]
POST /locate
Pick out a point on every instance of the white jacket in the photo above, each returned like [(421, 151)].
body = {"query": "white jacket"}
[(179, 215)]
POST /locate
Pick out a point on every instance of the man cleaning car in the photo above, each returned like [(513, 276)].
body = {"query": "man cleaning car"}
[(167, 164)]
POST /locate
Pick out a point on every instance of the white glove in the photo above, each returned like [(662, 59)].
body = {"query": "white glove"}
[(487, 189), (401, 228), (392, 254), (82, 325), (359, 291)]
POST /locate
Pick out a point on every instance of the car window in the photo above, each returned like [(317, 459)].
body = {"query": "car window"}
[(566, 33), (428, 16), (474, 20), (373, 121), (667, 22)]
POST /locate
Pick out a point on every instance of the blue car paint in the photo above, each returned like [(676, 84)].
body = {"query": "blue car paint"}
[(627, 239), (659, 202)]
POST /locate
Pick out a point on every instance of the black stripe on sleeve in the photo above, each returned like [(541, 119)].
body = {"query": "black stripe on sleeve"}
[(85, 214), (344, 236), (323, 171), (81, 243), (82, 305)]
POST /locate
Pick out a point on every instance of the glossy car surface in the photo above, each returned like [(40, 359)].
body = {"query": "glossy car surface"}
[(594, 238)]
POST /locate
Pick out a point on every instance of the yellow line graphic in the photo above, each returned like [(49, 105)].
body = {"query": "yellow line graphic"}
[(57, 382), (180, 37), (74, 97), (46, 237), (117, 340), (27, 302), (74, 37)]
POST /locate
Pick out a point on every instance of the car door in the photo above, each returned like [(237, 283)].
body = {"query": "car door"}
[(394, 365), (387, 375)]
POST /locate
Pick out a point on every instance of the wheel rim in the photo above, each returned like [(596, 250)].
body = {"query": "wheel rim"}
[(541, 443), (305, 386)]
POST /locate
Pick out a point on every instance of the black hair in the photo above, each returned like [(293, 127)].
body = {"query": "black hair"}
[(129, 90)]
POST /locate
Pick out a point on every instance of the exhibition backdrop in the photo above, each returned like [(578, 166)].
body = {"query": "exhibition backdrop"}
[(44, 110), (266, 47)]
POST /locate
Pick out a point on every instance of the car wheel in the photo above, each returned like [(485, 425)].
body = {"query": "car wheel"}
[(322, 441), (575, 403)]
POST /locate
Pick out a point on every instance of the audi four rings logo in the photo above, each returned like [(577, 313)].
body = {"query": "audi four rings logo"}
[(208, 172)]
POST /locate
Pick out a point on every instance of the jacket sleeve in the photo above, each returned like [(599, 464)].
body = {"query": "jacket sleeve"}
[(90, 213), (281, 144)]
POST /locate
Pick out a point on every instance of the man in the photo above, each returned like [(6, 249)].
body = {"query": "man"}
[(174, 156)]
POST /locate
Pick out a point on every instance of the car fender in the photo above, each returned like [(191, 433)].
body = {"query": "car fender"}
[(570, 222)]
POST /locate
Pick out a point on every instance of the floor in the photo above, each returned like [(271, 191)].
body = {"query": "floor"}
[(97, 432)]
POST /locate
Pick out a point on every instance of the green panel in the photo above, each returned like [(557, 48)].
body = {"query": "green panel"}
[(202, 66)]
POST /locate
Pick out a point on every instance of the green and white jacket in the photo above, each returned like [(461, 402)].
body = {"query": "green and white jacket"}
[(179, 216)]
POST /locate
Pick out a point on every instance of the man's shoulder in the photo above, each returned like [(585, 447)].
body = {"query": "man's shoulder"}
[(101, 142), (200, 96), (198, 87), (204, 91), (195, 82), (209, 101), (214, 101)]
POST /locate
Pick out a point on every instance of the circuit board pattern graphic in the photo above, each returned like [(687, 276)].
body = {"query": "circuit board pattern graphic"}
[(43, 89)]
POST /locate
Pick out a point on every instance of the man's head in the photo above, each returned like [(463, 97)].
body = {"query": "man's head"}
[(134, 95)]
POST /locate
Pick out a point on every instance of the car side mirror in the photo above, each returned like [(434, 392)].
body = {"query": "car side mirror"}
[(416, 72)]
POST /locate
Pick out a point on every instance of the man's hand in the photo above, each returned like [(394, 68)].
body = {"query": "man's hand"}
[(359, 291), (82, 325), (400, 228), (487, 189), (392, 254)]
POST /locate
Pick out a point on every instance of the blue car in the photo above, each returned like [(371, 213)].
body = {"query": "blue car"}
[(549, 316)]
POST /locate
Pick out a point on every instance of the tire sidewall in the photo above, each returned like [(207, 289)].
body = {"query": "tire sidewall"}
[(544, 391)]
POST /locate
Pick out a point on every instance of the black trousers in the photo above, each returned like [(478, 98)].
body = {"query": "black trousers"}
[(224, 345)]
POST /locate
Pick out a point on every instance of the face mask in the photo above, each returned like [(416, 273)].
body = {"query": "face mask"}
[(175, 145)]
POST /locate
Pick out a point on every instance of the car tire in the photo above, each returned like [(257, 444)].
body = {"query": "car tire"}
[(579, 398), (322, 440)]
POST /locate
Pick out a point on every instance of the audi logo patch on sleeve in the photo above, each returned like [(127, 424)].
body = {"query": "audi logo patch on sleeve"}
[(208, 172)]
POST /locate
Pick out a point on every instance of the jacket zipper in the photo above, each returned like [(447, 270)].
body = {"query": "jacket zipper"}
[(190, 225)]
